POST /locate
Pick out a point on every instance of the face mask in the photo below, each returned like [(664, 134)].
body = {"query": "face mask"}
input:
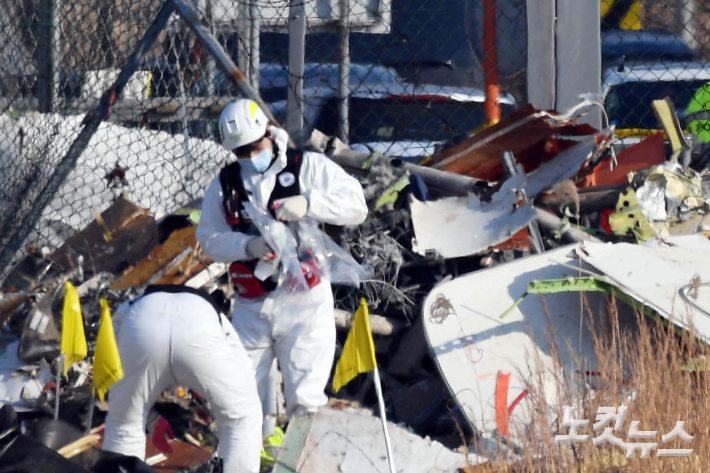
[(259, 162)]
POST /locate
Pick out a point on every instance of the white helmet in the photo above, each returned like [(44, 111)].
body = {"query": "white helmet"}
[(241, 122)]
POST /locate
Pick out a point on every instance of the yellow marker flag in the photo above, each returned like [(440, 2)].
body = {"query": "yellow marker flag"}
[(73, 339), (359, 350), (107, 361)]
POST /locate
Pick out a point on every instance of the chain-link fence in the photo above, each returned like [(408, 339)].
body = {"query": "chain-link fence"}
[(414, 84), (652, 49), (417, 74)]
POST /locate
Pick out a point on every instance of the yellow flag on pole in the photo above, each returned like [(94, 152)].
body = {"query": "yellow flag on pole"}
[(359, 350), (73, 344), (107, 361)]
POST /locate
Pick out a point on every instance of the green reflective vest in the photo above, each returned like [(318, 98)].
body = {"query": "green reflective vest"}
[(697, 114)]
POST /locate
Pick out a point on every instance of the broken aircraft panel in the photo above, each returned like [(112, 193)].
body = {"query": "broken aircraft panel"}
[(461, 226), (670, 275), (494, 366), (533, 136)]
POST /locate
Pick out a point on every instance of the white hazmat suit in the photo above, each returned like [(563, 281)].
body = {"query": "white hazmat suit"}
[(301, 338), (167, 339)]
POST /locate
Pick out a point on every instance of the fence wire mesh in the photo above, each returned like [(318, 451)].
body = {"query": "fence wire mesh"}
[(415, 85)]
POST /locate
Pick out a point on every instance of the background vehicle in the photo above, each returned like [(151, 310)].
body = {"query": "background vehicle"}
[(629, 90), (273, 78), (400, 120), (620, 46)]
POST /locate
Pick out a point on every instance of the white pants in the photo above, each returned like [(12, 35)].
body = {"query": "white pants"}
[(301, 338), (167, 339)]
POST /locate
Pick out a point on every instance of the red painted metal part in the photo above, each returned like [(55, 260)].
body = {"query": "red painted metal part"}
[(502, 412), (490, 62)]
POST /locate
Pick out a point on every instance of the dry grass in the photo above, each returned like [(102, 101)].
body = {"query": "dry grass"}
[(645, 368)]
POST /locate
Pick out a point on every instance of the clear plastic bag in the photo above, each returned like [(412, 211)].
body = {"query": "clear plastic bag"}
[(280, 238), (336, 264), (304, 260)]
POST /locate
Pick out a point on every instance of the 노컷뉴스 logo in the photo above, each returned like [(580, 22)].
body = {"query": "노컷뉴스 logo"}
[(604, 417)]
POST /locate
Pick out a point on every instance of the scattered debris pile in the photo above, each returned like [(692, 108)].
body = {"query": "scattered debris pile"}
[(448, 319)]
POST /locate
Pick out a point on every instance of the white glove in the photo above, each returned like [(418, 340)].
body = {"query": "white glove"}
[(290, 209), (258, 249)]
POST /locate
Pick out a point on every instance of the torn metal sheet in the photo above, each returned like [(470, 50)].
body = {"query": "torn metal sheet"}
[(533, 136), (41, 335), (462, 226), (173, 262), (184, 456), (669, 275), (20, 388), (28, 272), (695, 224), (668, 191), (489, 362), (629, 218), (647, 153), (11, 303), (122, 235), (566, 164), (351, 441)]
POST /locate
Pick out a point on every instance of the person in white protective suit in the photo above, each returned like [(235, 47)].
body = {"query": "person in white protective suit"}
[(175, 335), (290, 185)]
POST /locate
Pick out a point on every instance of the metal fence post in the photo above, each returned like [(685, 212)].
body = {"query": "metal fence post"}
[(296, 59), (343, 71), (243, 34), (688, 22), (48, 41)]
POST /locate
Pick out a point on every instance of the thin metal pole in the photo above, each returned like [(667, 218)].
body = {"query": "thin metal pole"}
[(207, 128), (90, 415), (56, 53), (381, 402), (90, 124), (58, 382), (296, 65), (510, 166), (254, 48), (183, 113), (343, 72)]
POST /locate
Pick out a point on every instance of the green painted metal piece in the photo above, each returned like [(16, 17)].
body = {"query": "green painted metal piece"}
[(293, 444), (391, 194), (368, 162), (584, 284)]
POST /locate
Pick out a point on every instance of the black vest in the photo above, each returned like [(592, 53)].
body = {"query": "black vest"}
[(180, 289), (234, 194)]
